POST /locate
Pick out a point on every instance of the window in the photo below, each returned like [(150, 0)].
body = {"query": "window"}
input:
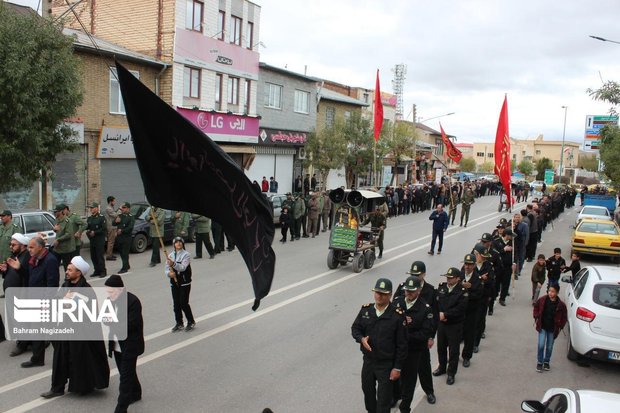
[(116, 100), (514, 156), (191, 82), (581, 284), (489, 155), (36, 223), (233, 90), (366, 97), (221, 19), (480, 154), (219, 82), (246, 93), (249, 35), (235, 30), (193, 15), (607, 295), (557, 404), (347, 115), (330, 116), (537, 151), (273, 96), (302, 101)]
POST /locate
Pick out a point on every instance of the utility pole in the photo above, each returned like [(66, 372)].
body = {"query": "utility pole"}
[(563, 138)]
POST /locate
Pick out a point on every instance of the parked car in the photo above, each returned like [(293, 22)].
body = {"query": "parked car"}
[(559, 400), (35, 221), (537, 185), (140, 234), (492, 178), (597, 237), (593, 302), (593, 211), (276, 205)]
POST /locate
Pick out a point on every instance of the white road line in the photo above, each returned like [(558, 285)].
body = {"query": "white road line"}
[(185, 343)]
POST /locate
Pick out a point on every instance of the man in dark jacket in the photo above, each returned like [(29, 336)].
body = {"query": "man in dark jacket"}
[(126, 351), (473, 285), (440, 225), (16, 278), (419, 325), (379, 329), (550, 316)]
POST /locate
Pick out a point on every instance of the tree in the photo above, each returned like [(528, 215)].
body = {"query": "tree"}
[(542, 165), (40, 86), (326, 149), (360, 143), (467, 165), (526, 167), (609, 92), (610, 152), (487, 167), (588, 162), (399, 139), (513, 165)]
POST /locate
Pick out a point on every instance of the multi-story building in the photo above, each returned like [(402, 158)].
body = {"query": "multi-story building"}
[(287, 105)]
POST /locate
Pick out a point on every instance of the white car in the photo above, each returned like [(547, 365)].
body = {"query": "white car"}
[(593, 304), (559, 400), (34, 222), (593, 211), (537, 185)]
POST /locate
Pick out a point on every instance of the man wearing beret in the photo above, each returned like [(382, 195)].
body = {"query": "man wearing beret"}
[(7, 229), (380, 331), (124, 227), (96, 230), (452, 303), (419, 325), (64, 244), (126, 351)]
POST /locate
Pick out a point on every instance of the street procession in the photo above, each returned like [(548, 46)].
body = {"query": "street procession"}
[(212, 206)]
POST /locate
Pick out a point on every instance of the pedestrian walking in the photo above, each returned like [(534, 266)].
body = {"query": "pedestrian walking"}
[(180, 219), (203, 235), (379, 329), (378, 223), (124, 227), (96, 231), (538, 277), (285, 222), (325, 213), (555, 264), (313, 215), (473, 286), (64, 244), (110, 217), (76, 227), (156, 218), (550, 317), (440, 225), (466, 203), (126, 351), (179, 271)]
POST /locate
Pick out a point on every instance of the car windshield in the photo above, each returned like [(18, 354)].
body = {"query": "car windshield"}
[(607, 295), (594, 211), (598, 228)]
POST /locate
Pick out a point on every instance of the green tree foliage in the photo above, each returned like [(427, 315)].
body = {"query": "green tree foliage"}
[(610, 153), (513, 165), (609, 92), (526, 167), (39, 88), (541, 165), (467, 165), (360, 143), (399, 141), (588, 162), (487, 167), (326, 149)]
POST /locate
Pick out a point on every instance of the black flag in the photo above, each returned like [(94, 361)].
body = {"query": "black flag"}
[(183, 169)]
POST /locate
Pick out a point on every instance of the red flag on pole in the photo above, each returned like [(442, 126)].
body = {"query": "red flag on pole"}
[(451, 150), (502, 151), (378, 109)]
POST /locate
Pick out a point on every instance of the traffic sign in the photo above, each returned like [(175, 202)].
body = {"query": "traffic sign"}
[(549, 173), (594, 124)]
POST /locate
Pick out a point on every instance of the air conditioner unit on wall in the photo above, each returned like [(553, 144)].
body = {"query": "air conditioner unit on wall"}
[(301, 153)]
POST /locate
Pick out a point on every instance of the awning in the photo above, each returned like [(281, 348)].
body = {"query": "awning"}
[(248, 153)]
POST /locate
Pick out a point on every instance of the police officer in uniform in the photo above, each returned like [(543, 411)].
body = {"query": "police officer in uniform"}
[(96, 230), (379, 328), (124, 226), (452, 303), (486, 263), (473, 285), (468, 199), (64, 244), (377, 220), (503, 245), (419, 324), (7, 229), (76, 227)]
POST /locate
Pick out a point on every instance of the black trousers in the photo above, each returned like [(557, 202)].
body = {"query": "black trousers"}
[(284, 231), (408, 379), (97, 251), (376, 385), (502, 283), (155, 253), (203, 238), (424, 371), (60, 374), (437, 234), (129, 389), (470, 327), (448, 346), (124, 245), (38, 352), (530, 248), (218, 237), (304, 224), (482, 319), (180, 302)]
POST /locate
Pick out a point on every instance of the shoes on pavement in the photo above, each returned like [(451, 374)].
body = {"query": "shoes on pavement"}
[(461, 224), (490, 312), (17, 351), (430, 398), (198, 258), (51, 394), (95, 274), (539, 367), (546, 366), (502, 303), (152, 264), (466, 363), (123, 271), (110, 258), (450, 380), (484, 334), (305, 236), (439, 372), (438, 252), (135, 399), (431, 253), (476, 349), (380, 256), (177, 327), (190, 327), (393, 403), (211, 256), (30, 363)]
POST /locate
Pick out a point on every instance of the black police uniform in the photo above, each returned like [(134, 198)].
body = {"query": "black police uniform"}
[(96, 231), (389, 350), (125, 226), (419, 329), (488, 293), (450, 332), (502, 276), (377, 220), (470, 323)]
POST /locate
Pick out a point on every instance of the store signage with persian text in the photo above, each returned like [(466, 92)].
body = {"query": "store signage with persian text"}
[(115, 143), (222, 127), (282, 137)]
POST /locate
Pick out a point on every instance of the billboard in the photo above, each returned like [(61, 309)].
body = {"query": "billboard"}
[(594, 124)]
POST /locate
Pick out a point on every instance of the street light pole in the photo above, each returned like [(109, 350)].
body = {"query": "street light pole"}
[(603, 39), (435, 117), (563, 138)]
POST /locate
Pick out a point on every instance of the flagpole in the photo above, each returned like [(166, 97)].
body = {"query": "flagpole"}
[(374, 164)]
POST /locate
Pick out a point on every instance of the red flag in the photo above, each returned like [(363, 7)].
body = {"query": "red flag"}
[(502, 151), (451, 150), (378, 109)]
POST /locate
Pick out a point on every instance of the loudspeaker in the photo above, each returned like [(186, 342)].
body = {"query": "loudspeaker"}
[(336, 195), (355, 199)]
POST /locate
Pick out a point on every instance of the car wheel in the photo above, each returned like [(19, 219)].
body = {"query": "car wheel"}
[(358, 263), (332, 259), (571, 354), (139, 244)]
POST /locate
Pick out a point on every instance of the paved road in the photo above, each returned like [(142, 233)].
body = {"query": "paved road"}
[(296, 353)]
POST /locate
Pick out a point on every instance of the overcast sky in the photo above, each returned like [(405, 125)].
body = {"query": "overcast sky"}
[(462, 56)]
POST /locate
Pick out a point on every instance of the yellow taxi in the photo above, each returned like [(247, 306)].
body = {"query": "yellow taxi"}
[(597, 237)]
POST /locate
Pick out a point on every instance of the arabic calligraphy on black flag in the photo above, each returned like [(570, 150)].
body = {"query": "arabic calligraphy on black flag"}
[(183, 169)]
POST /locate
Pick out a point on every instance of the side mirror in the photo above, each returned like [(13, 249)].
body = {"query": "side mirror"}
[(532, 406), (567, 279)]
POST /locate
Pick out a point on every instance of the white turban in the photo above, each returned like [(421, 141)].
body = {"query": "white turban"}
[(21, 238), (79, 263)]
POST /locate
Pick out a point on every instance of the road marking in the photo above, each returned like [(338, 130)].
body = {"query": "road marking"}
[(185, 343)]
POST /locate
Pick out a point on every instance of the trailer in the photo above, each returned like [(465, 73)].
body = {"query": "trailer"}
[(607, 201)]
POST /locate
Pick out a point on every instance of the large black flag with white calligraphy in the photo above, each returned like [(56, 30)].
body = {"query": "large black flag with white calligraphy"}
[(183, 169)]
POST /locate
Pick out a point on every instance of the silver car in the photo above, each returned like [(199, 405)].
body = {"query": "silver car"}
[(35, 221), (593, 211)]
